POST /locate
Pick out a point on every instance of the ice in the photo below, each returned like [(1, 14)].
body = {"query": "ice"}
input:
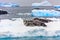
[(57, 6), (8, 5), (16, 28), (47, 13), (44, 3)]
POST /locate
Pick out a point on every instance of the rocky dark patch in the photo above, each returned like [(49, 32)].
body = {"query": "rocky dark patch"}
[(3, 12), (37, 22)]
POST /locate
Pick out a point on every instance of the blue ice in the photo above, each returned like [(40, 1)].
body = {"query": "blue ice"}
[(57, 6), (38, 13)]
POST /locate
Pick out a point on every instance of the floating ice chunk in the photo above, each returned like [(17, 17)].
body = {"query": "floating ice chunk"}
[(57, 6), (9, 5), (44, 3), (45, 13)]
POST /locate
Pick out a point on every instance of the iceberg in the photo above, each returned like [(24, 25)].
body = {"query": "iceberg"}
[(44, 3), (57, 6), (47, 13), (8, 5)]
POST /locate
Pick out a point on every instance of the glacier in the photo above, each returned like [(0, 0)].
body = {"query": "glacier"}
[(16, 28)]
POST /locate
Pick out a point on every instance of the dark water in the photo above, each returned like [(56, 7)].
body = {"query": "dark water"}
[(32, 38)]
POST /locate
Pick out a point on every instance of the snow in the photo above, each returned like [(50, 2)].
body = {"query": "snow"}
[(17, 28)]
